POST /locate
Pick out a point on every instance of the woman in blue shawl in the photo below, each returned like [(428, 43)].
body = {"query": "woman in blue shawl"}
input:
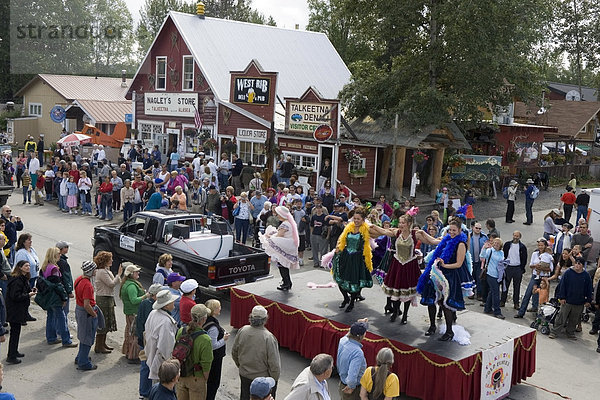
[(154, 202), (445, 277)]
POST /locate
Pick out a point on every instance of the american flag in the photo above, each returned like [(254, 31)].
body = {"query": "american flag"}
[(198, 119)]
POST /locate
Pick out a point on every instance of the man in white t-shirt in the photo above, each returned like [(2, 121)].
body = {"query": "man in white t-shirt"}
[(542, 265)]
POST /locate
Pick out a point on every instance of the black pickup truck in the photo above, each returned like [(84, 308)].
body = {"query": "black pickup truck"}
[(202, 247)]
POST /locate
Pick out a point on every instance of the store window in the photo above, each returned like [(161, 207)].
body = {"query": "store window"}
[(188, 73), (361, 163), (193, 140), (252, 151), (303, 160), (161, 73), (149, 130), (35, 109)]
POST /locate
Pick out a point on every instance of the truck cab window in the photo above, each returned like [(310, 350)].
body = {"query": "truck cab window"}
[(134, 226)]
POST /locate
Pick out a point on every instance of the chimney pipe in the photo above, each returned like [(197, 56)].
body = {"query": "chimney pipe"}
[(123, 78)]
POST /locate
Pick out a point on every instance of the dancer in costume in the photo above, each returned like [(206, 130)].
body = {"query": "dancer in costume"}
[(352, 263), (400, 282), (281, 244), (446, 276)]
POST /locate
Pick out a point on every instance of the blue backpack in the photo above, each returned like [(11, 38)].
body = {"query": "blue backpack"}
[(505, 192)]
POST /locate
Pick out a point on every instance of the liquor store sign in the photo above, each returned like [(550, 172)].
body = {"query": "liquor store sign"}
[(306, 117), (171, 104)]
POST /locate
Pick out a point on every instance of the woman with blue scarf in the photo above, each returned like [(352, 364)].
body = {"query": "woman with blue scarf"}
[(446, 276)]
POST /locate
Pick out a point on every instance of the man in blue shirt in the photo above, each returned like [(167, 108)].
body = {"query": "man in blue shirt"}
[(351, 362), (529, 202)]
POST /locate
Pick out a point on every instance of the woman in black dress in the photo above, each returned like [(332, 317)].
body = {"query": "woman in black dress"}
[(17, 307)]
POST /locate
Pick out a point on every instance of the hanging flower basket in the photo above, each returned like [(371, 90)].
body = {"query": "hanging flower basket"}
[(352, 155), (210, 144), (230, 147), (419, 156)]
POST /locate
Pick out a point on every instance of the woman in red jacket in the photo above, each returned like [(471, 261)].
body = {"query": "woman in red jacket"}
[(106, 189)]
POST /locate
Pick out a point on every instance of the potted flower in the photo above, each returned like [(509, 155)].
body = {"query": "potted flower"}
[(352, 156), (189, 132), (419, 156), (304, 171), (230, 147), (456, 161)]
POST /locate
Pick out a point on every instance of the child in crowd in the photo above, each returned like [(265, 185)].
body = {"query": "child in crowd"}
[(543, 290), (26, 186), (71, 194), (39, 188)]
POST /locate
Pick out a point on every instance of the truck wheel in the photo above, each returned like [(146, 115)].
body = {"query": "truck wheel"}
[(116, 259), (3, 200)]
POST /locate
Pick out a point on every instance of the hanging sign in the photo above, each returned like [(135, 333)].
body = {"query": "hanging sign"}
[(58, 114), (496, 371), (306, 117), (323, 133)]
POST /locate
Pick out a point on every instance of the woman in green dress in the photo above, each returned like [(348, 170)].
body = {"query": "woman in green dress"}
[(352, 264)]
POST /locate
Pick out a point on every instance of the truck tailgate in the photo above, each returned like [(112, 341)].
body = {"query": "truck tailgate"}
[(241, 269)]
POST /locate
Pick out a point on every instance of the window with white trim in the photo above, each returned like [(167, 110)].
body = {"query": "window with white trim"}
[(252, 151), (358, 164), (188, 73), (161, 73), (149, 130), (35, 109), (302, 160)]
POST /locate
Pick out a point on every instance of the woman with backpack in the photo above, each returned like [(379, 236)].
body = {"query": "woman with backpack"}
[(193, 349), (378, 383), (56, 320)]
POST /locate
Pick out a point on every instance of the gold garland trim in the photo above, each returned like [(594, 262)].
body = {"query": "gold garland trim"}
[(478, 359)]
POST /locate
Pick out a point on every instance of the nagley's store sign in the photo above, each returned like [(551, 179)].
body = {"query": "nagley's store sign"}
[(170, 104), (306, 117)]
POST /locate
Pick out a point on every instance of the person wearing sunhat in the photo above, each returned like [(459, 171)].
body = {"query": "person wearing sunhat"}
[(132, 293), (529, 201), (260, 388), (281, 244), (87, 314), (188, 299), (160, 330), (510, 201), (140, 326), (174, 281)]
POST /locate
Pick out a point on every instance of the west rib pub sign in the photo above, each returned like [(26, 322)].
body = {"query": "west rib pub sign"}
[(252, 90)]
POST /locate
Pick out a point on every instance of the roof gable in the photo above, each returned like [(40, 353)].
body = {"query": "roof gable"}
[(589, 93), (301, 58)]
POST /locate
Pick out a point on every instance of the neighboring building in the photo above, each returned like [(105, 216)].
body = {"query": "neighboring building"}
[(97, 101), (566, 91)]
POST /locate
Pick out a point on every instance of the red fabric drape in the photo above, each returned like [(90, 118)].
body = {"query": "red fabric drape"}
[(422, 374)]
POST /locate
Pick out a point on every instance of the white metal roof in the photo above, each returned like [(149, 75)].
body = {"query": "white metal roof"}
[(301, 58)]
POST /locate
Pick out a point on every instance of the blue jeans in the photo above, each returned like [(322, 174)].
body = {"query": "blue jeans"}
[(145, 383), (83, 355), (223, 181), (106, 206), (26, 194), (137, 207), (476, 273), (127, 210), (4, 286), (581, 212), (62, 203), (535, 298), (85, 206), (528, 210), (241, 229), (56, 321), (493, 298)]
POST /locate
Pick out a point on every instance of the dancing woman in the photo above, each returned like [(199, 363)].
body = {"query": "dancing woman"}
[(352, 263), (445, 277), (281, 244), (400, 282)]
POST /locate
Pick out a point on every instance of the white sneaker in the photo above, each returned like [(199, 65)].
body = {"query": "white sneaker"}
[(301, 262), (70, 212), (75, 212)]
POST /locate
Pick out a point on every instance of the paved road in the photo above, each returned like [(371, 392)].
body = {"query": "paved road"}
[(48, 371)]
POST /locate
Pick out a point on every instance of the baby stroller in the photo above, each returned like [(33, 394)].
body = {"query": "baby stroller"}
[(546, 315), (587, 311)]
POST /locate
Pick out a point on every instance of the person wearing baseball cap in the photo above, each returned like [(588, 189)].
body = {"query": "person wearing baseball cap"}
[(132, 293), (140, 326), (351, 362), (188, 300), (541, 265), (256, 352), (160, 332), (260, 388), (86, 315), (529, 199)]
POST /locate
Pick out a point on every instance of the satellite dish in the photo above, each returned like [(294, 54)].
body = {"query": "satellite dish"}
[(542, 111), (573, 95)]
